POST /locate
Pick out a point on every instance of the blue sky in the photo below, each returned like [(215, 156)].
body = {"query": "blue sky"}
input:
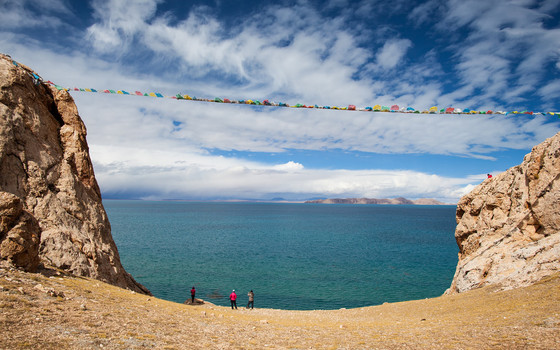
[(482, 55)]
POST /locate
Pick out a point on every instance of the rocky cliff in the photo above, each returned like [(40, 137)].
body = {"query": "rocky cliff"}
[(50, 203), (508, 227)]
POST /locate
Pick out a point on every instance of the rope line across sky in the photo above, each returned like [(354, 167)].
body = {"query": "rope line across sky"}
[(376, 108)]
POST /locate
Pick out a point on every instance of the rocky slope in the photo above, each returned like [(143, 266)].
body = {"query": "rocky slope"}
[(508, 227), (50, 203)]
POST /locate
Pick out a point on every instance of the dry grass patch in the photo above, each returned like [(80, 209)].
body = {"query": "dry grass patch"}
[(92, 314)]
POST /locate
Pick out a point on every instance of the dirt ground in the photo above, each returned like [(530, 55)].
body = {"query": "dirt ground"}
[(52, 310)]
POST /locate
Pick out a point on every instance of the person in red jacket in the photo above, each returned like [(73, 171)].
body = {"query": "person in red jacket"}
[(193, 292), (233, 299)]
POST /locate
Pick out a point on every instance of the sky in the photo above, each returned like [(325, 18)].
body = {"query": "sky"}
[(483, 55)]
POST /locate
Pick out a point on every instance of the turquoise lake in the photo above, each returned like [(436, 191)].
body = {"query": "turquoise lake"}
[(293, 256)]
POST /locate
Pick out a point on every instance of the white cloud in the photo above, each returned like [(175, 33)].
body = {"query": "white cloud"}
[(297, 53), (460, 192), (284, 52), (551, 90), (32, 13), (507, 49), (118, 22), (289, 167), (196, 40), (261, 182), (392, 53), (424, 12)]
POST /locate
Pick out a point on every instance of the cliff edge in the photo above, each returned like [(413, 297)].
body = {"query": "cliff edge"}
[(50, 203), (508, 227)]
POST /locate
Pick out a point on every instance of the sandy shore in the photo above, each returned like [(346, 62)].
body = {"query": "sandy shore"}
[(65, 312)]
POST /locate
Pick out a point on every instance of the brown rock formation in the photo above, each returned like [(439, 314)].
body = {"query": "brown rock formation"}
[(508, 227), (19, 233), (45, 164)]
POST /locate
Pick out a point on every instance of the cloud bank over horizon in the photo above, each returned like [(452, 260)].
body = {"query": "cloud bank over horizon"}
[(501, 55)]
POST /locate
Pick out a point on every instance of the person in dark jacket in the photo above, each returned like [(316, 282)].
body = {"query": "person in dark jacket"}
[(251, 302)]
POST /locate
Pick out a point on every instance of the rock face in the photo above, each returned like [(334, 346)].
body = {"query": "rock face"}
[(19, 233), (48, 191), (508, 227)]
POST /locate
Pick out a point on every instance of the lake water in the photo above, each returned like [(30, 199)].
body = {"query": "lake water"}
[(293, 256)]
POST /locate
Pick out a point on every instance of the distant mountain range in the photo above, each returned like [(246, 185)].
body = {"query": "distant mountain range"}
[(399, 200)]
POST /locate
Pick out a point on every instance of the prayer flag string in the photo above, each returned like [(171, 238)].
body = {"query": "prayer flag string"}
[(376, 108)]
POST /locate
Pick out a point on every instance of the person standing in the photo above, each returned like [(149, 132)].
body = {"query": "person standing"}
[(251, 299), (233, 299), (193, 292)]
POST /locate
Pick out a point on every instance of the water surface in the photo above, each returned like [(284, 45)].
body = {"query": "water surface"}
[(293, 256)]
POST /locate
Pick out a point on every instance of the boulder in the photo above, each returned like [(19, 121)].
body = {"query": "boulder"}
[(45, 163), (508, 227)]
